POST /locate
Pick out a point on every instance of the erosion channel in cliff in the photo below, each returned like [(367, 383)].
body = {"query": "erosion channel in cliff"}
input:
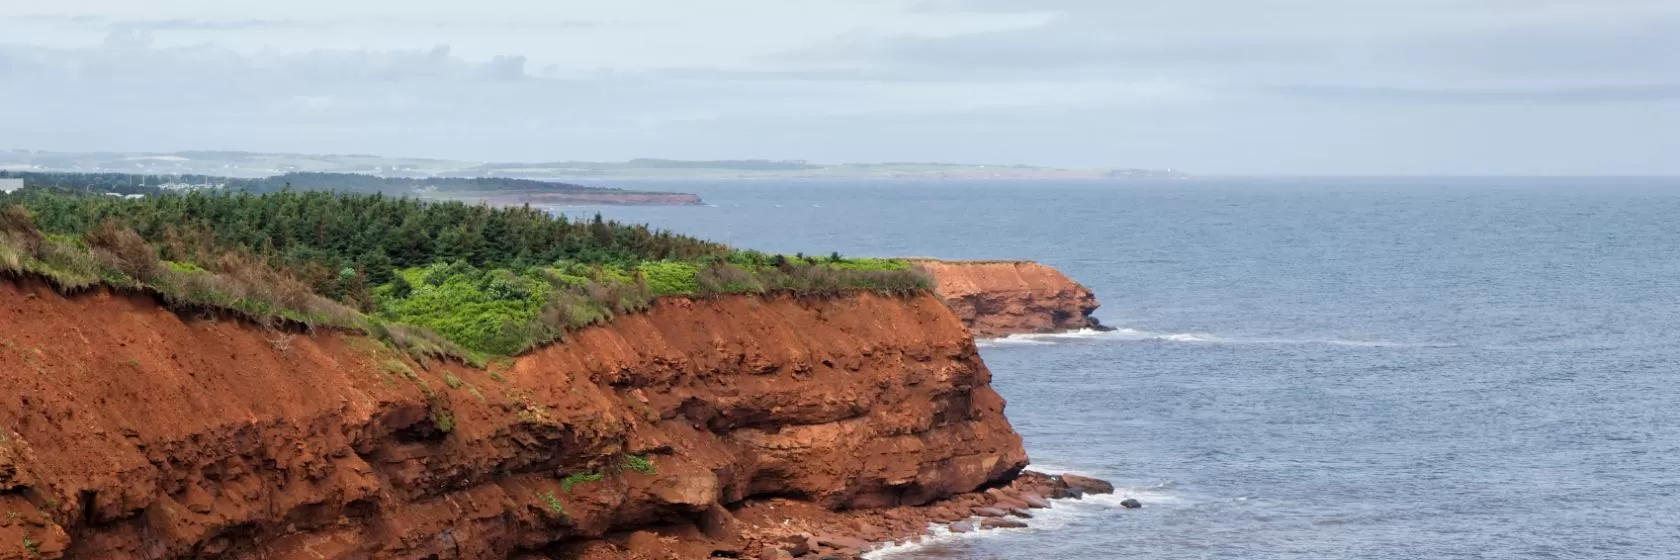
[(728, 425), (1000, 298)]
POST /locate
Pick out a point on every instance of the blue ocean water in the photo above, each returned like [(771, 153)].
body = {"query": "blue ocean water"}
[(1375, 368)]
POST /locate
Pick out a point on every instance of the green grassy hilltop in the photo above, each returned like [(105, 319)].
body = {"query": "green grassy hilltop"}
[(431, 277)]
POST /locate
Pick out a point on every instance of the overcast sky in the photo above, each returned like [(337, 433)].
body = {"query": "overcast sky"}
[(1210, 86)]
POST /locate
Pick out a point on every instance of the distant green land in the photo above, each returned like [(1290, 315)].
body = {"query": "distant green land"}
[(254, 165)]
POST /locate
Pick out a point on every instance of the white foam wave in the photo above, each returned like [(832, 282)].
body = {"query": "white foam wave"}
[(998, 342), (1134, 335), (1039, 339), (1060, 515)]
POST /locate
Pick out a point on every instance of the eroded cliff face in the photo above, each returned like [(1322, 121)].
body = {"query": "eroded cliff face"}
[(127, 431), (999, 298)]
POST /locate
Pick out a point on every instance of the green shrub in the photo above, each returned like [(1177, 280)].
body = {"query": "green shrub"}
[(494, 312), (68, 263), (666, 278)]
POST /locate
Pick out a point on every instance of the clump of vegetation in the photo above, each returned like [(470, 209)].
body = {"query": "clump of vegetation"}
[(433, 279), (553, 504), (443, 420), (640, 463), (490, 311), (757, 272), (575, 479), (399, 368)]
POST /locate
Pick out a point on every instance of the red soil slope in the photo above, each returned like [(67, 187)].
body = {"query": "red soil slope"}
[(127, 431)]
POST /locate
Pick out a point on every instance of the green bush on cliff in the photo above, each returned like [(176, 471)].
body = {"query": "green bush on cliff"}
[(443, 420), (575, 479), (640, 463), (667, 278), (503, 312), (490, 311), (553, 504)]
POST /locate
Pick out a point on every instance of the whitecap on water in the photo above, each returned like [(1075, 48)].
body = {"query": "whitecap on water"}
[(1060, 515), (1134, 335)]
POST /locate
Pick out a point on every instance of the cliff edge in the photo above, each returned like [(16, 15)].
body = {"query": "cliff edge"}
[(128, 431), (1000, 298)]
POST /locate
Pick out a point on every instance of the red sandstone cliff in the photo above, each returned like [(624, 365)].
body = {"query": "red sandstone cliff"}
[(127, 431), (998, 298)]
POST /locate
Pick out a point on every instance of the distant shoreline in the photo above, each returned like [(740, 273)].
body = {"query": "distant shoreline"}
[(540, 198), (257, 165)]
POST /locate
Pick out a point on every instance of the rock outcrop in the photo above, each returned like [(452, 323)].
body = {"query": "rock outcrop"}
[(1000, 298), (779, 528), (128, 431)]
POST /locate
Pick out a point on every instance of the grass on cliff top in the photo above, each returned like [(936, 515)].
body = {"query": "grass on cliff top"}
[(915, 260), (468, 282), (503, 311)]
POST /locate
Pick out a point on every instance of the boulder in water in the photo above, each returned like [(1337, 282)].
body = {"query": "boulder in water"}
[(999, 523), (1087, 485), (1131, 503)]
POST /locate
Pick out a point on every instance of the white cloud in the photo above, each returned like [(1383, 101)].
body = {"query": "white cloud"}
[(1198, 84)]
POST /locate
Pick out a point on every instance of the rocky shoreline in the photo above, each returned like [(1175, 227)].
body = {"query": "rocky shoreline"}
[(1005, 507), (786, 529)]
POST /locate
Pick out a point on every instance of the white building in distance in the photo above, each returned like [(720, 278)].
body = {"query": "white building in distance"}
[(10, 185)]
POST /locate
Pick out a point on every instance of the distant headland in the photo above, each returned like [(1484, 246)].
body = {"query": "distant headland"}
[(255, 165)]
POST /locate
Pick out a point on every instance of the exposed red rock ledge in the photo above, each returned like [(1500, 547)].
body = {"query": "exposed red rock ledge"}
[(1000, 298), (128, 431)]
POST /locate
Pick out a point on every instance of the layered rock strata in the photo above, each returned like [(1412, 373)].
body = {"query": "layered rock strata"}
[(1000, 298), (130, 431)]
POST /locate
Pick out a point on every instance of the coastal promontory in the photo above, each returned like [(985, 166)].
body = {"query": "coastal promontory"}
[(1000, 298), (309, 375)]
